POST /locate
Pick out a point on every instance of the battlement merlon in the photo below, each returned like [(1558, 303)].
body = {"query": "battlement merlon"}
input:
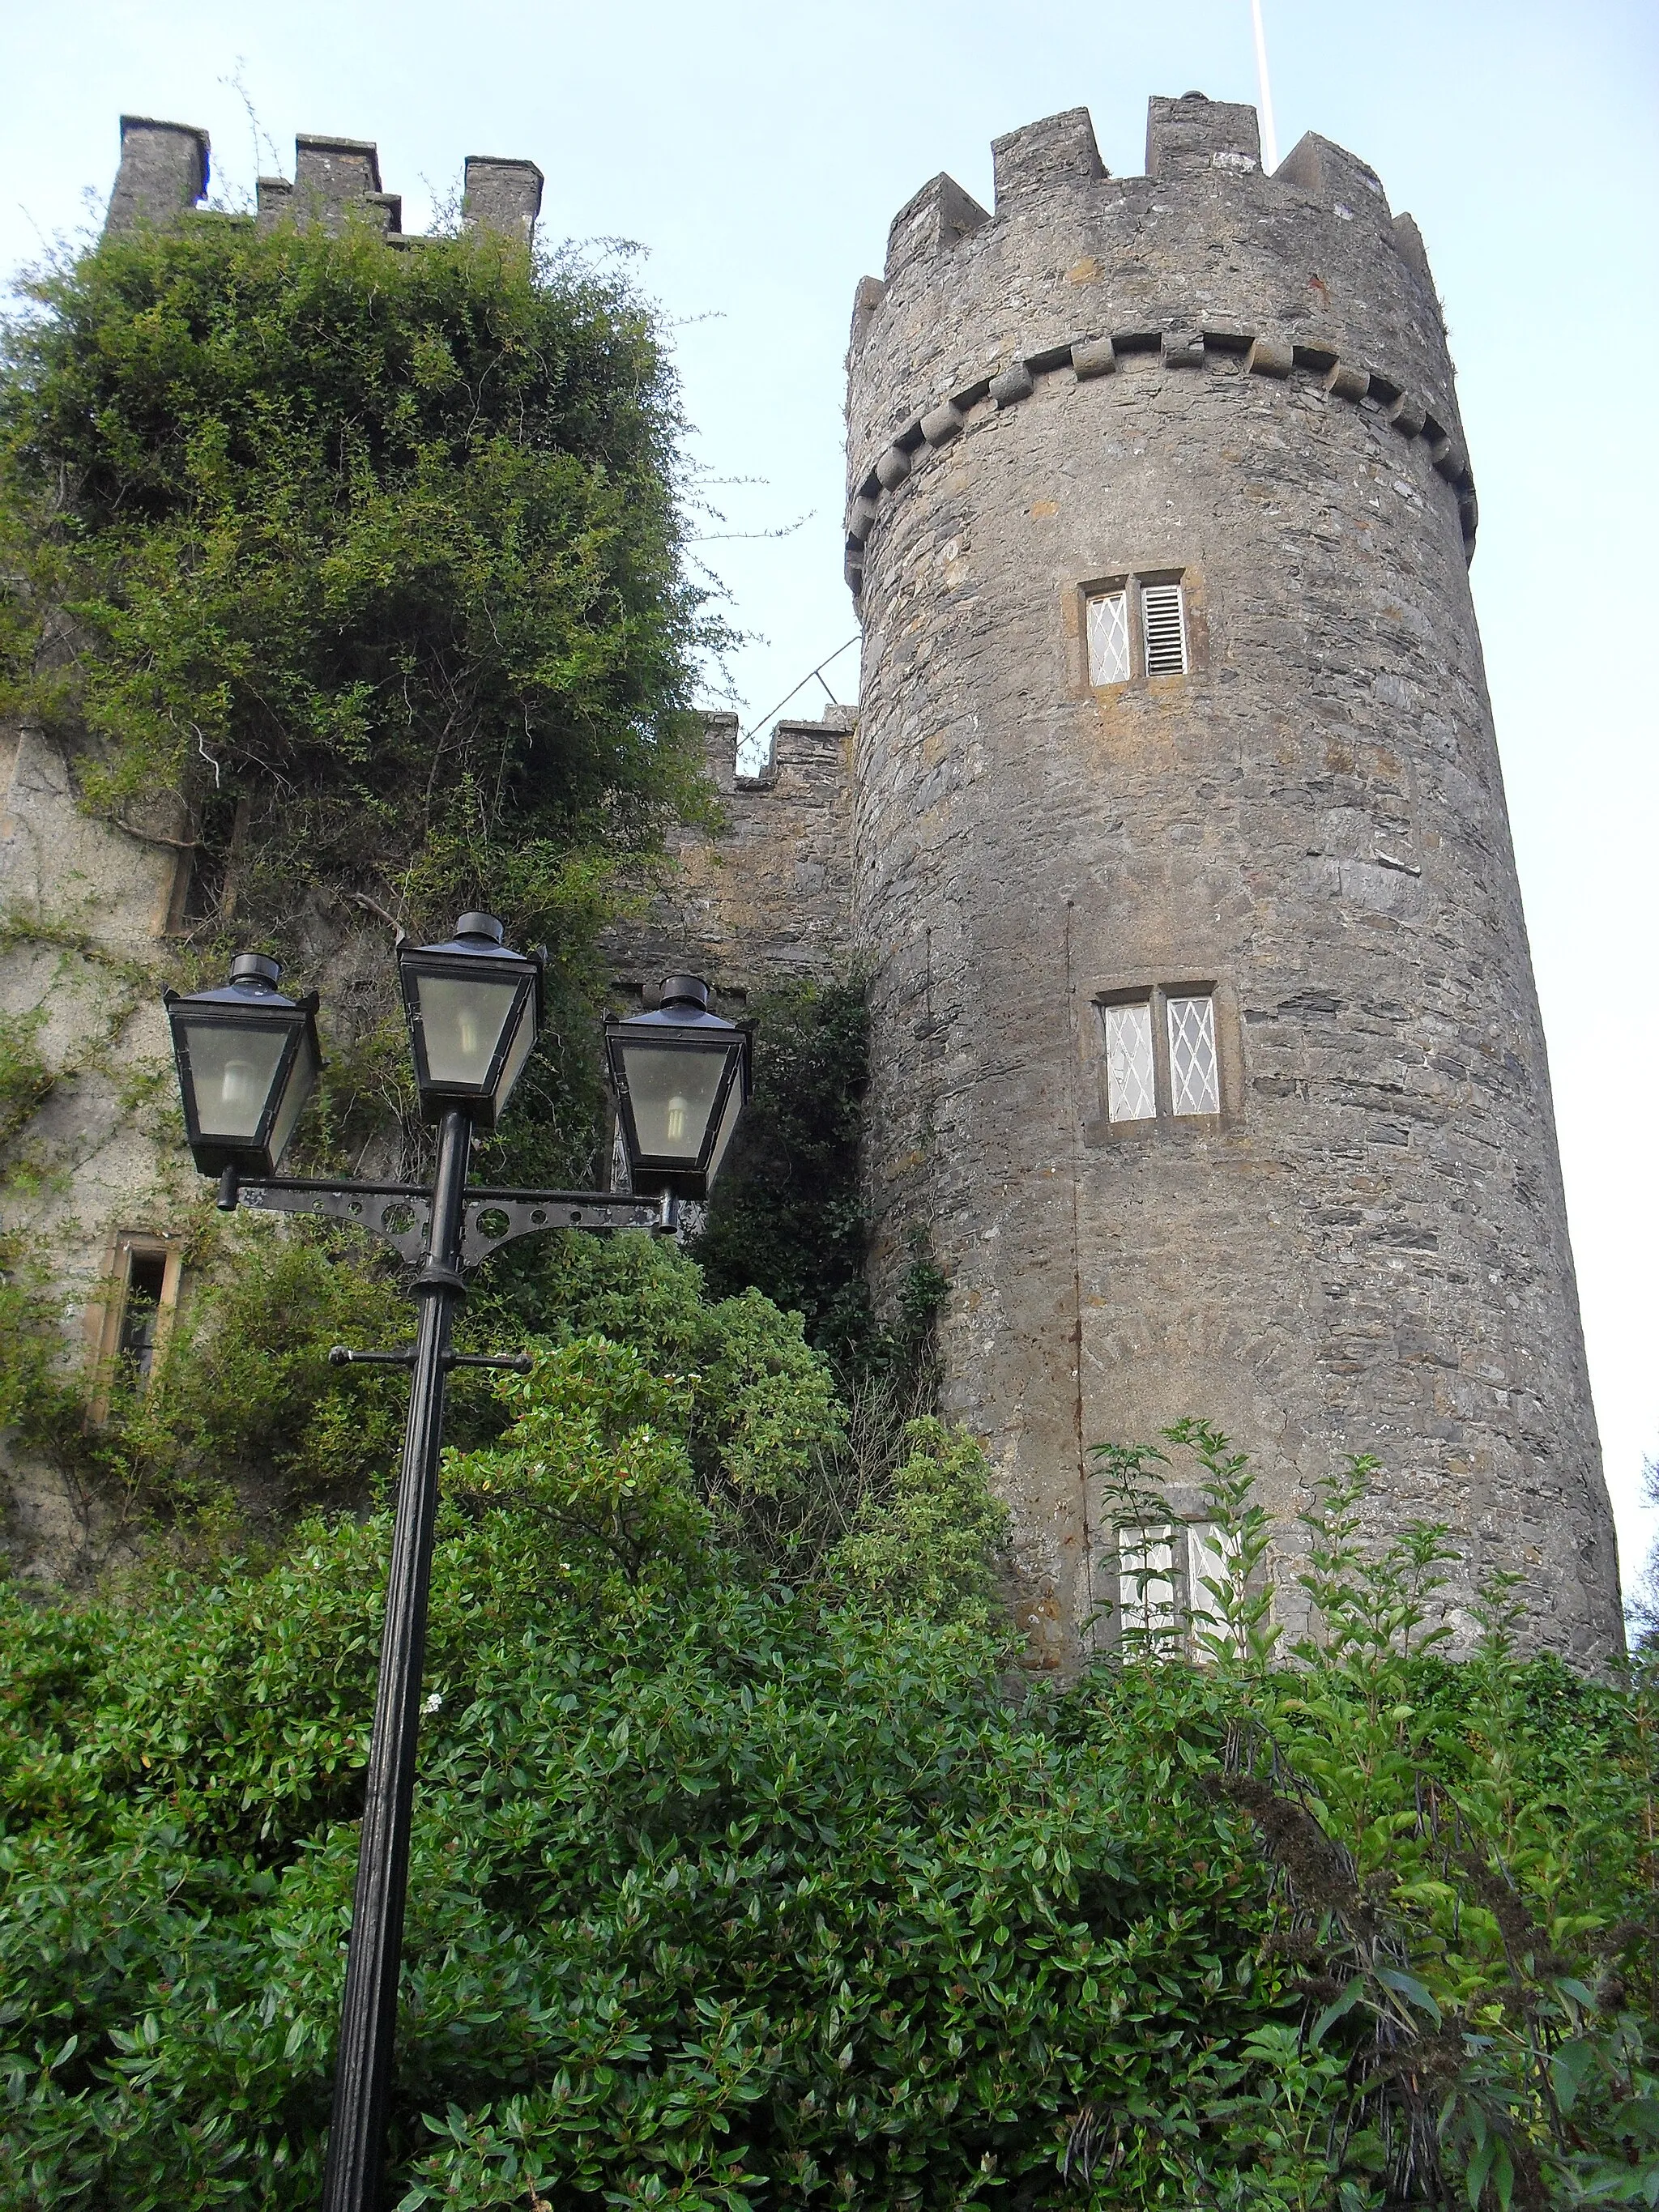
[(930, 223), (1189, 136), (503, 195), (1042, 157), (163, 172)]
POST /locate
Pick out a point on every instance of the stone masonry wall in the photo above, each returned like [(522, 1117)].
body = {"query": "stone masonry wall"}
[(767, 899), (1241, 381)]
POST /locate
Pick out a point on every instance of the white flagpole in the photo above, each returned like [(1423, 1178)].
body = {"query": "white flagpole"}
[(1269, 135)]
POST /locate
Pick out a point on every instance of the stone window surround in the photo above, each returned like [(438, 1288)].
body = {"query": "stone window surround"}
[(1129, 580), (1155, 987), (106, 1311)]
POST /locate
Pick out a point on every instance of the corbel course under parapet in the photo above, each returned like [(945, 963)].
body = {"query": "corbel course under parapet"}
[(1265, 354)]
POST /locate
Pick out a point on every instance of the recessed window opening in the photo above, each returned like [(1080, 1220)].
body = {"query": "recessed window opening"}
[(1136, 627), (141, 1312), (1171, 1581), (1162, 1061), (128, 1324)]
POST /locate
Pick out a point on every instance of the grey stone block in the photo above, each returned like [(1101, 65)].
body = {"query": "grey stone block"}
[(1192, 135), (1407, 414), (941, 425), (893, 467), (333, 177), (1270, 357), (1094, 357), (1013, 385), (273, 201), (868, 297), (1059, 150), (937, 219), (1345, 381), (503, 195)]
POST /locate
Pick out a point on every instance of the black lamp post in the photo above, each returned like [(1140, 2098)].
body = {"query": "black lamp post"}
[(247, 1059)]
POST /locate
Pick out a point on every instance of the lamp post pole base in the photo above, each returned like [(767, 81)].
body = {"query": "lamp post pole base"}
[(356, 2141)]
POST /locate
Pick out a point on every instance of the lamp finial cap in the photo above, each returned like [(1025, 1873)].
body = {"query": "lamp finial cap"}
[(480, 925), (255, 968), (685, 991)]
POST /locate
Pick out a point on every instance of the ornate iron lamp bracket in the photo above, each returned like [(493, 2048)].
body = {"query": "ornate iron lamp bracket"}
[(401, 1212)]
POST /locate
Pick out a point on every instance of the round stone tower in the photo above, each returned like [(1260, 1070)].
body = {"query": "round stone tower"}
[(1206, 1046)]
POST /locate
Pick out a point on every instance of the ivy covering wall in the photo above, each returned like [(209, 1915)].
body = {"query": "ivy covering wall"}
[(358, 571)]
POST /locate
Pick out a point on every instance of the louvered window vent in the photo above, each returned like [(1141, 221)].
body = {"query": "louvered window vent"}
[(1163, 624)]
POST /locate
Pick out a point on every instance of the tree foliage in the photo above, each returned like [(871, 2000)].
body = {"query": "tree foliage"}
[(359, 571), (384, 543)]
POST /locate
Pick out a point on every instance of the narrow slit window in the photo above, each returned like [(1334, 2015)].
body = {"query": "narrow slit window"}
[(1131, 1084), (1194, 1077), (141, 1312), (1109, 638), (1163, 624)]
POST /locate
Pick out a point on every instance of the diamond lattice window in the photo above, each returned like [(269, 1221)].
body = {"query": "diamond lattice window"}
[(1131, 1080), (1194, 1077), (1109, 638)]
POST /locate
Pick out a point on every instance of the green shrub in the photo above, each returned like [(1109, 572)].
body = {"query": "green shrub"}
[(930, 1542), (726, 1895)]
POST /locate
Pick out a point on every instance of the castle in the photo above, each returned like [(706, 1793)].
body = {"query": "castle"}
[(1170, 833)]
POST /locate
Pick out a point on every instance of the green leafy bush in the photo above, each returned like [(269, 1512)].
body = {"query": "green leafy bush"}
[(726, 1894), (384, 543)]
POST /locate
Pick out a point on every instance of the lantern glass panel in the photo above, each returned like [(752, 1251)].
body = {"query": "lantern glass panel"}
[(461, 1021), (672, 1093), (301, 1078), (524, 1039), (734, 1103), (232, 1068)]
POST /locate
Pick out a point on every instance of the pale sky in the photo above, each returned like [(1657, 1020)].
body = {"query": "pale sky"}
[(758, 153)]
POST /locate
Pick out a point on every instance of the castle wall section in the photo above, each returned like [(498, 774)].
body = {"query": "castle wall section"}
[(766, 898)]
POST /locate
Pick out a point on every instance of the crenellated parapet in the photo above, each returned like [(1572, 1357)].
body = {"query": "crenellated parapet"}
[(164, 176), (1204, 263)]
